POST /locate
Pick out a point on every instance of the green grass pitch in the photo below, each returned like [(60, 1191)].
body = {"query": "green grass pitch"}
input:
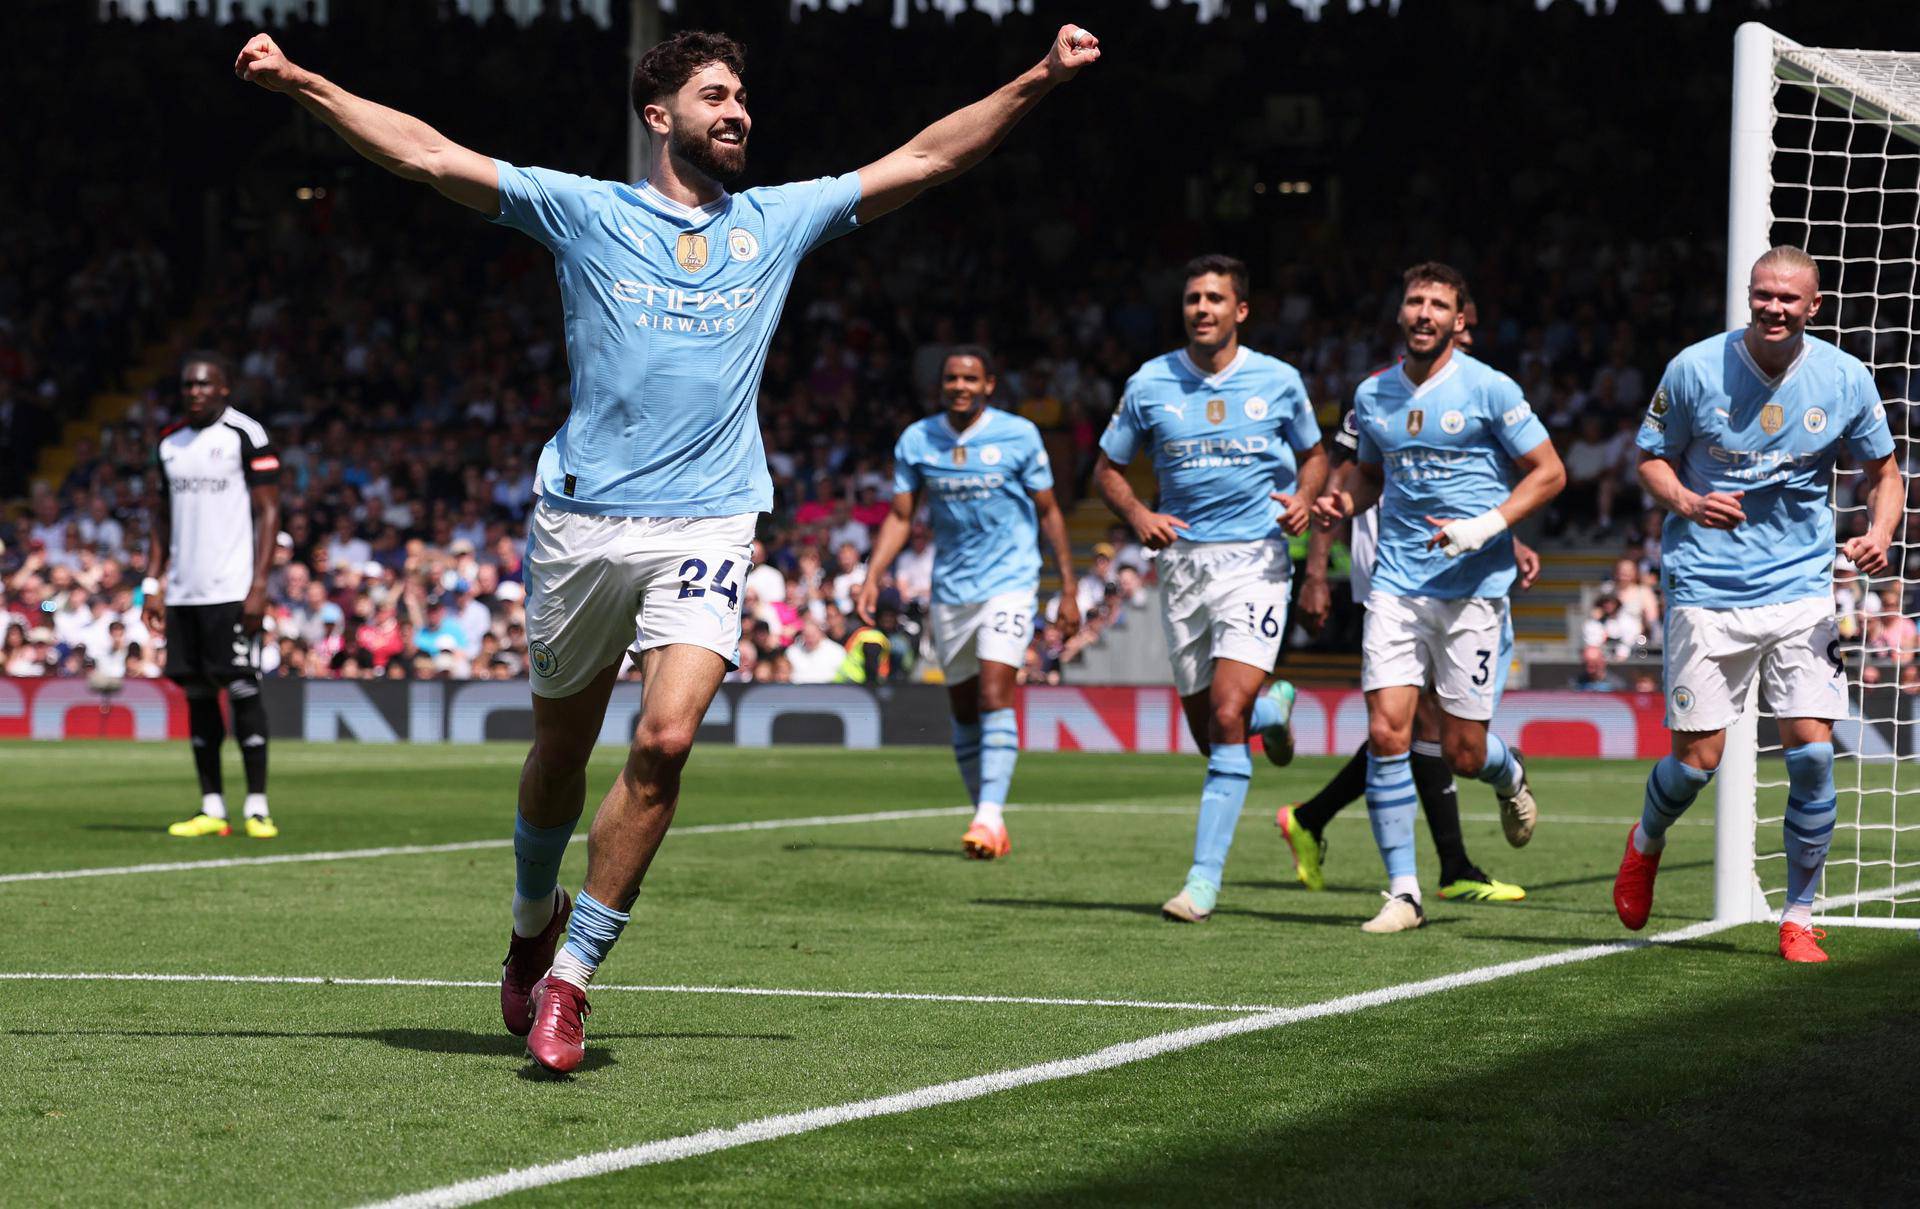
[(1701, 1073)]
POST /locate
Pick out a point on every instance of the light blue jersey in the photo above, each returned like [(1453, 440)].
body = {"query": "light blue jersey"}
[(1725, 426), (978, 486), (1447, 448), (669, 310), (1220, 443)]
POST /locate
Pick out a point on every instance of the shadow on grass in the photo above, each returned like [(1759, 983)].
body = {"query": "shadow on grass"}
[(950, 854), (1606, 879), (423, 1040), (1283, 917), (1599, 1092)]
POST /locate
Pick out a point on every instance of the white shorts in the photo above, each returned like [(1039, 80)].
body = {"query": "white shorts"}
[(993, 631), (594, 582), (1712, 654), (1461, 646), (1223, 600)]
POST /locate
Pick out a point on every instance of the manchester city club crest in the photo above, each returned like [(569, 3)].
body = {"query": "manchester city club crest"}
[(1452, 422), (741, 245), (690, 252), (1256, 408), (959, 455), (990, 455), (1682, 699), (1216, 410), (1815, 421), (1773, 418), (545, 662), (1416, 420)]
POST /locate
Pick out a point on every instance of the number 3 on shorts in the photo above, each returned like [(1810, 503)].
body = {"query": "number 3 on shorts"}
[(694, 570), (1485, 673)]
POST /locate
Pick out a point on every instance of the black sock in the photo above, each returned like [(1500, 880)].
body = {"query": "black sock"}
[(250, 731), (1441, 804), (207, 728), (1348, 786)]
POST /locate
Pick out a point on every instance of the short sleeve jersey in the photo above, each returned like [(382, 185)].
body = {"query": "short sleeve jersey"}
[(1725, 426), (1220, 443), (1447, 448), (978, 486), (669, 310), (206, 476)]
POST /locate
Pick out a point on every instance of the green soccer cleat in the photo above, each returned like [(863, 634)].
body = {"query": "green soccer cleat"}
[(1478, 887), (200, 826), (1307, 848), (1277, 740)]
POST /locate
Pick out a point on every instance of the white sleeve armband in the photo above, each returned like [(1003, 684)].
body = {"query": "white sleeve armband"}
[(1466, 536)]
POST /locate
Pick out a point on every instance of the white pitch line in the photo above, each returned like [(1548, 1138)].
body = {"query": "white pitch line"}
[(667, 1150), (751, 992)]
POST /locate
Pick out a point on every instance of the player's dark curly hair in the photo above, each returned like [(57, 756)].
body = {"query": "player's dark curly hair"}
[(1432, 271), (977, 351), (663, 69), (1227, 266), (206, 356)]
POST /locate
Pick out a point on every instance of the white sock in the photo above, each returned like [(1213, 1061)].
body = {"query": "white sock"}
[(532, 915), (1798, 913), (568, 968), (1647, 845), (1407, 884), (256, 806), (213, 804), (989, 813)]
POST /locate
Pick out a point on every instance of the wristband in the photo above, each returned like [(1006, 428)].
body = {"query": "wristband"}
[(1466, 536), (149, 586)]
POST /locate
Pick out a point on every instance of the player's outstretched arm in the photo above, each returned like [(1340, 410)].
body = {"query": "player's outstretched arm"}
[(1053, 529), (404, 146), (963, 138), (1887, 495), (1156, 530), (887, 545)]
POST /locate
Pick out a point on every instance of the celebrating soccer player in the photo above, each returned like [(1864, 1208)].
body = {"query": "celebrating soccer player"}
[(1438, 438), (1739, 445), (649, 491), (1304, 825), (1229, 431), (990, 488), (206, 582)]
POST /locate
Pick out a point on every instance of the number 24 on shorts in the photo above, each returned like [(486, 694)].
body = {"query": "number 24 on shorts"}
[(694, 570), (1268, 624)]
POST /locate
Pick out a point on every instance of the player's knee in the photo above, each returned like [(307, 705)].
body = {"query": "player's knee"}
[(1810, 771), (658, 744), (1227, 723), (1384, 738), (243, 689), (1464, 756), (560, 753), (199, 690)]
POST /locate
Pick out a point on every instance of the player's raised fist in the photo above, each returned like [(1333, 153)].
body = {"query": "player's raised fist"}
[(1073, 48), (260, 62)]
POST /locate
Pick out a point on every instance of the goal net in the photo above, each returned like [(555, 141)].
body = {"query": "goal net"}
[(1826, 155)]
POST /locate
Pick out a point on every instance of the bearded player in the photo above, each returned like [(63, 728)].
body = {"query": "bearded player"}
[(989, 488), (1440, 438), (650, 490), (1229, 431), (1739, 446)]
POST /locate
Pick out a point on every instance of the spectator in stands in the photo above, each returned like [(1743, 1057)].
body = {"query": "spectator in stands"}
[(1593, 478), (813, 657), (1639, 600), (1594, 676)]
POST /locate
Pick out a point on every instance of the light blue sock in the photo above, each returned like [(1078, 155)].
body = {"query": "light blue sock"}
[(1809, 824), (1266, 712), (592, 930), (1671, 788), (999, 749), (537, 853), (1229, 769), (1392, 806), (1501, 770), (966, 753)]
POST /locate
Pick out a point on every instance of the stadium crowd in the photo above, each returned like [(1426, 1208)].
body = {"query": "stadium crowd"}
[(408, 361)]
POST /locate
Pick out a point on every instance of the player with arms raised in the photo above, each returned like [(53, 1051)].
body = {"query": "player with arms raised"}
[(649, 491), (1229, 431), (1439, 437), (1739, 446), (990, 488)]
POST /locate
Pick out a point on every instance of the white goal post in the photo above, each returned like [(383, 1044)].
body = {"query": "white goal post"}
[(1826, 155)]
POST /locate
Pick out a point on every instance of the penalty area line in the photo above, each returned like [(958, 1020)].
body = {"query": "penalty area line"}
[(599, 988), (667, 1150)]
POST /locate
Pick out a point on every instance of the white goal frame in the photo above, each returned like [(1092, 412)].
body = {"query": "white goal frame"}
[(1765, 62)]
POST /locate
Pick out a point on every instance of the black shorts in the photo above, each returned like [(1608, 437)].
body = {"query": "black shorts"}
[(205, 643)]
